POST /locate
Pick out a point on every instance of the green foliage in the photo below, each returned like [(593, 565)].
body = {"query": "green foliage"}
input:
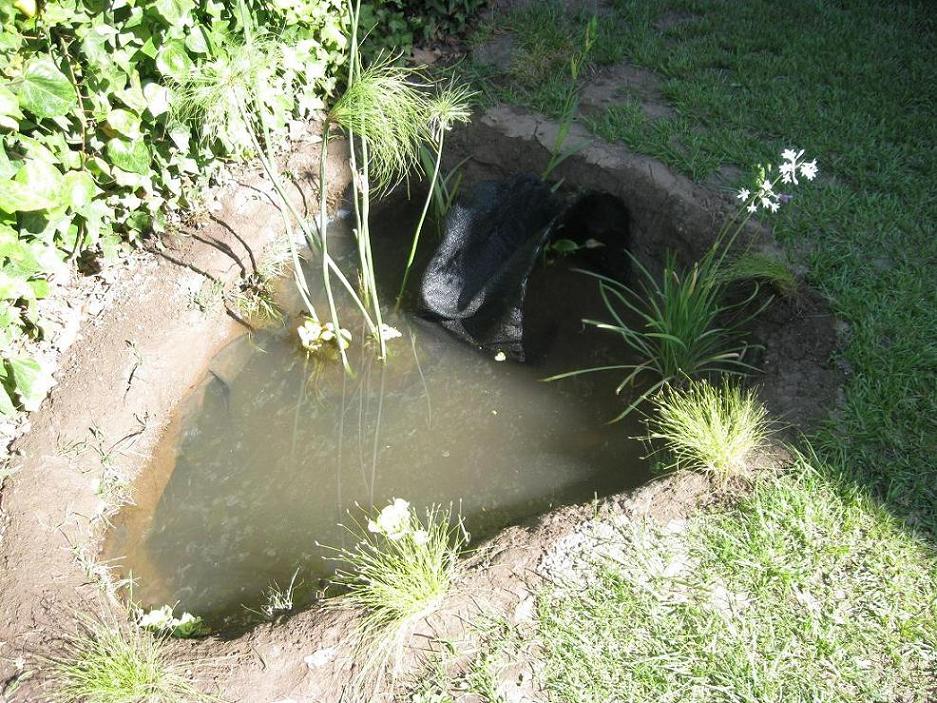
[(806, 591), (111, 663), (571, 102), (93, 148), (676, 326), (397, 572), (401, 22), (708, 428)]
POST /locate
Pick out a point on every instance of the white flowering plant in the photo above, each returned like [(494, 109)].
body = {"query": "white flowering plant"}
[(764, 196), (398, 571), (685, 327), (316, 337)]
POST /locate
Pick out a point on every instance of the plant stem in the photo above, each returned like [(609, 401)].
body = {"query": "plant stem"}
[(270, 169), (367, 261), (419, 226), (323, 238)]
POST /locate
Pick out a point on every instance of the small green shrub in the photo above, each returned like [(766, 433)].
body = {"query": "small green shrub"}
[(115, 663), (397, 572), (708, 428), (423, 20)]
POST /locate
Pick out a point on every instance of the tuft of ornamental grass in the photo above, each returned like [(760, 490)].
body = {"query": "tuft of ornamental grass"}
[(682, 327), (761, 267), (397, 572), (387, 106), (448, 107), (709, 428), (111, 662), (214, 93)]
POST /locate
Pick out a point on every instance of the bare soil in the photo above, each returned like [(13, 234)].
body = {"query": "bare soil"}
[(152, 345)]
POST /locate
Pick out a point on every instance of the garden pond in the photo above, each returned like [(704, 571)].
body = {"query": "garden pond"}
[(273, 454)]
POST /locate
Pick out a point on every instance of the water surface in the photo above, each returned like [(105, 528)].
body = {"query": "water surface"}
[(268, 454)]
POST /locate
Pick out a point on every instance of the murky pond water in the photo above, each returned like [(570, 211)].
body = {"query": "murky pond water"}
[(266, 456)]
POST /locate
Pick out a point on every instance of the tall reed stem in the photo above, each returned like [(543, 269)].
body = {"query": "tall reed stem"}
[(419, 226), (324, 239)]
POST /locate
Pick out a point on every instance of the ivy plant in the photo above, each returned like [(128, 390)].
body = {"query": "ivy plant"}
[(91, 155)]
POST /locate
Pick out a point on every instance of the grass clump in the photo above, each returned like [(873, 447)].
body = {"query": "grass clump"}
[(767, 269), (398, 571), (707, 427), (277, 600), (118, 663), (807, 591)]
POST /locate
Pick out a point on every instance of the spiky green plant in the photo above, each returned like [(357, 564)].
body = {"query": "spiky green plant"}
[(673, 326), (110, 662), (710, 428), (558, 154), (213, 92), (448, 185), (398, 571)]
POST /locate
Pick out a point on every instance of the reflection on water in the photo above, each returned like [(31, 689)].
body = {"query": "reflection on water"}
[(264, 459)]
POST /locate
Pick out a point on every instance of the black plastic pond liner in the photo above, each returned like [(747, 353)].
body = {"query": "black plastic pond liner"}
[(476, 281)]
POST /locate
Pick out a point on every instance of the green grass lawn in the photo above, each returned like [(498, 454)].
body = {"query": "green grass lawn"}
[(804, 592), (834, 563)]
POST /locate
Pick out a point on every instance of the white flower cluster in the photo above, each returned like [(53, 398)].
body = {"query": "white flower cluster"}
[(765, 195), (162, 620), (395, 522), (315, 336)]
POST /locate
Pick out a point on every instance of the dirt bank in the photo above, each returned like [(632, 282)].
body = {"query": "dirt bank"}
[(118, 387)]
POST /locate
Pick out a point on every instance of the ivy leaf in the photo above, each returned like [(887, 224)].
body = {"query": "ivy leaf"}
[(196, 41), (173, 11), (79, 189), (12, 287), (124, 122), (7, 168), (40, 288), (30, 380), (6, 405), (173, 61), (27, 7), (45, 91), (129, 156), (9, 109), (37, 186), (158, 98), (43, 178)]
